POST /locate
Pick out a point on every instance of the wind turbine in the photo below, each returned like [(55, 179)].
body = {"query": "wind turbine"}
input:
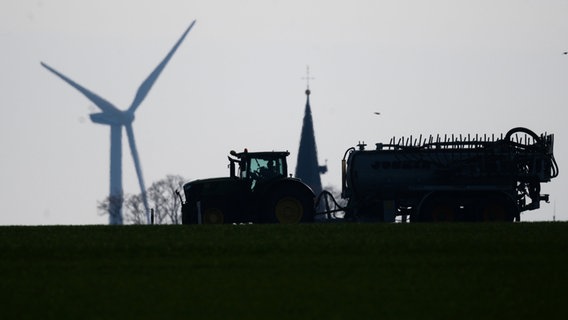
[(110, 115)]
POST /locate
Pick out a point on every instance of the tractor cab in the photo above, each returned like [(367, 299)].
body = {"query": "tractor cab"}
[(258, 167)]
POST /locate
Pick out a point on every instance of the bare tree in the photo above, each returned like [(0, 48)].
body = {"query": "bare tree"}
[(162, 197), (134, 210)]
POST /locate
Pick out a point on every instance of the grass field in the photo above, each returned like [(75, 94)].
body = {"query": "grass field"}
[(318, 271)]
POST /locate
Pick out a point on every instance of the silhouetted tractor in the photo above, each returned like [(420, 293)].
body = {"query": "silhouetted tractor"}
[(258, 190)]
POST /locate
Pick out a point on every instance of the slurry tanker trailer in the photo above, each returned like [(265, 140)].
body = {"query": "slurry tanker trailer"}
[(420, 179)]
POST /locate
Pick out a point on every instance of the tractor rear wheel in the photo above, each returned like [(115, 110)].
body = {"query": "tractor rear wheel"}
[(289, 206), (213, 215)]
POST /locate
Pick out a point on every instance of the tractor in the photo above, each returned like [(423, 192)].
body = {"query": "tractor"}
[(258, 190)]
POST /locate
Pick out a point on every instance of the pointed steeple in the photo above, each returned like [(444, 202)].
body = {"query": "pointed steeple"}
[(307, 167)]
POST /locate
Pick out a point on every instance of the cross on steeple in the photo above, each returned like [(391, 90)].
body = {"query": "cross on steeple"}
[(308, 78)]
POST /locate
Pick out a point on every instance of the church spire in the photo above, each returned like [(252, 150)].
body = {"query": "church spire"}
[(307, 167)]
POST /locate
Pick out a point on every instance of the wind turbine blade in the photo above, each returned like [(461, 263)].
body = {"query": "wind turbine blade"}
[(103, 104), (149, 82), (138, 168)]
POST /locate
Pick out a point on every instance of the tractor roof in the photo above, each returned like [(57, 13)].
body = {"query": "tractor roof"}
[(263, 154)]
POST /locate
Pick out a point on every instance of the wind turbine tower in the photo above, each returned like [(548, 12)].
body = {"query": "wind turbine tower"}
[(116, 119), (307, 167)]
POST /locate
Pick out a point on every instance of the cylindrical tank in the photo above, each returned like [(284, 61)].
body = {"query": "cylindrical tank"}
[(385, 171)]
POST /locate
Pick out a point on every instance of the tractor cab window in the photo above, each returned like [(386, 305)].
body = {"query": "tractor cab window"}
[(262, 168)]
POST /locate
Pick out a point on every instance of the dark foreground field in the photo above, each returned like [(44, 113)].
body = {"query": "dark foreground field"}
[(332, 271)]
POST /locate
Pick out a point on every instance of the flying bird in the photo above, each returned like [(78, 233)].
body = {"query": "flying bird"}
[(378, 113)]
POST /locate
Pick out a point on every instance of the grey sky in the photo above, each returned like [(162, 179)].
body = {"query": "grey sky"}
[(428, 67)]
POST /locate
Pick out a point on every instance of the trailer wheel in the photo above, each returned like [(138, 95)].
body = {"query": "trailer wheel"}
[(288, 206), (438, 209), (443, 211), (498, 208)]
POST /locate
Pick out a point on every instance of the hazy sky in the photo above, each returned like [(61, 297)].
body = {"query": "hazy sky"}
[(439, 66)]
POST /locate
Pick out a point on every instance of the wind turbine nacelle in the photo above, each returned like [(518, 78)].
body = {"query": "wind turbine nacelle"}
[(122, 118)]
